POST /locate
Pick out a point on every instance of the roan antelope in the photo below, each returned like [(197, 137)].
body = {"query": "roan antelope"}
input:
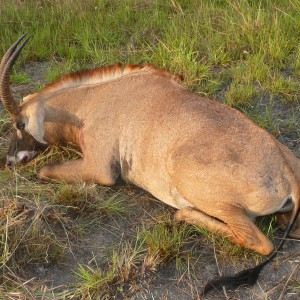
[(218, 168)]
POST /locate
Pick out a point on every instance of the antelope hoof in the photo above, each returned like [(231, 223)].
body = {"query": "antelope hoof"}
[(44, 173)]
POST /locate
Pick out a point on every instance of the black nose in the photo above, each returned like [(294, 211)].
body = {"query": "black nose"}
[(25, 159), (9, 163)]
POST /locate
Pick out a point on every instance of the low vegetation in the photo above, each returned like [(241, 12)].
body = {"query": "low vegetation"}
[(243, 53)]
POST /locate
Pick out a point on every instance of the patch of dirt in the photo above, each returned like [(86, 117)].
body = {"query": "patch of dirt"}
[(167, 282)]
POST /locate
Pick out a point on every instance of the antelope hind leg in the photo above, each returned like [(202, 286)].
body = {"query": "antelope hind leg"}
[(196, 217), (77, 171), (239, 228)]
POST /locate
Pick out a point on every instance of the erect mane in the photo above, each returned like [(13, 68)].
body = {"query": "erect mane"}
[(100, 75)]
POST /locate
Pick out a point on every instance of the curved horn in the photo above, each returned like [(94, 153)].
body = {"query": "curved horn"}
[(6, 65), (9, 53)]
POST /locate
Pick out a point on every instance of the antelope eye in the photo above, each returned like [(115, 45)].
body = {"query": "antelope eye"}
[(20, 126)]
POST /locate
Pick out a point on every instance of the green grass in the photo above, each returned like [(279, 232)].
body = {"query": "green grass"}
[(239, 95), (264, 119), (124, 264), (90, 202), (5, 125), (286, 88), (129, 262), (28, 234), (253, 40), (92, 282), (244, 53), (165, 240), (20, 77)]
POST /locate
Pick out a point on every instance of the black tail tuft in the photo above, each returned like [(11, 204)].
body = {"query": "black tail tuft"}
[(246, 277)]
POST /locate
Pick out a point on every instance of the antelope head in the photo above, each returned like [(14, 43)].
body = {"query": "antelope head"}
[(26, 141)]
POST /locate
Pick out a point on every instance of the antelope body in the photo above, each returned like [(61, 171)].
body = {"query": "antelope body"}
[(218, 168)]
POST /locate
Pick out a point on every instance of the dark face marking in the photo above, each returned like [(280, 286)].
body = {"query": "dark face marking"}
[(23, 150)]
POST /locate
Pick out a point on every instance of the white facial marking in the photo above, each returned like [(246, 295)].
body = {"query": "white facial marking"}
[(10, 159), (28, 155)]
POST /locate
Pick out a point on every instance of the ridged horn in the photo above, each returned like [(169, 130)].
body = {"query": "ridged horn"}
[(6, 66)]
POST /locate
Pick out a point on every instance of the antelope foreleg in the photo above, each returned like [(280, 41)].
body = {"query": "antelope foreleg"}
[(70, 171), (76, 171)]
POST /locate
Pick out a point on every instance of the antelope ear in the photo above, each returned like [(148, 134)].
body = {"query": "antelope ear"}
[(35, 124)]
